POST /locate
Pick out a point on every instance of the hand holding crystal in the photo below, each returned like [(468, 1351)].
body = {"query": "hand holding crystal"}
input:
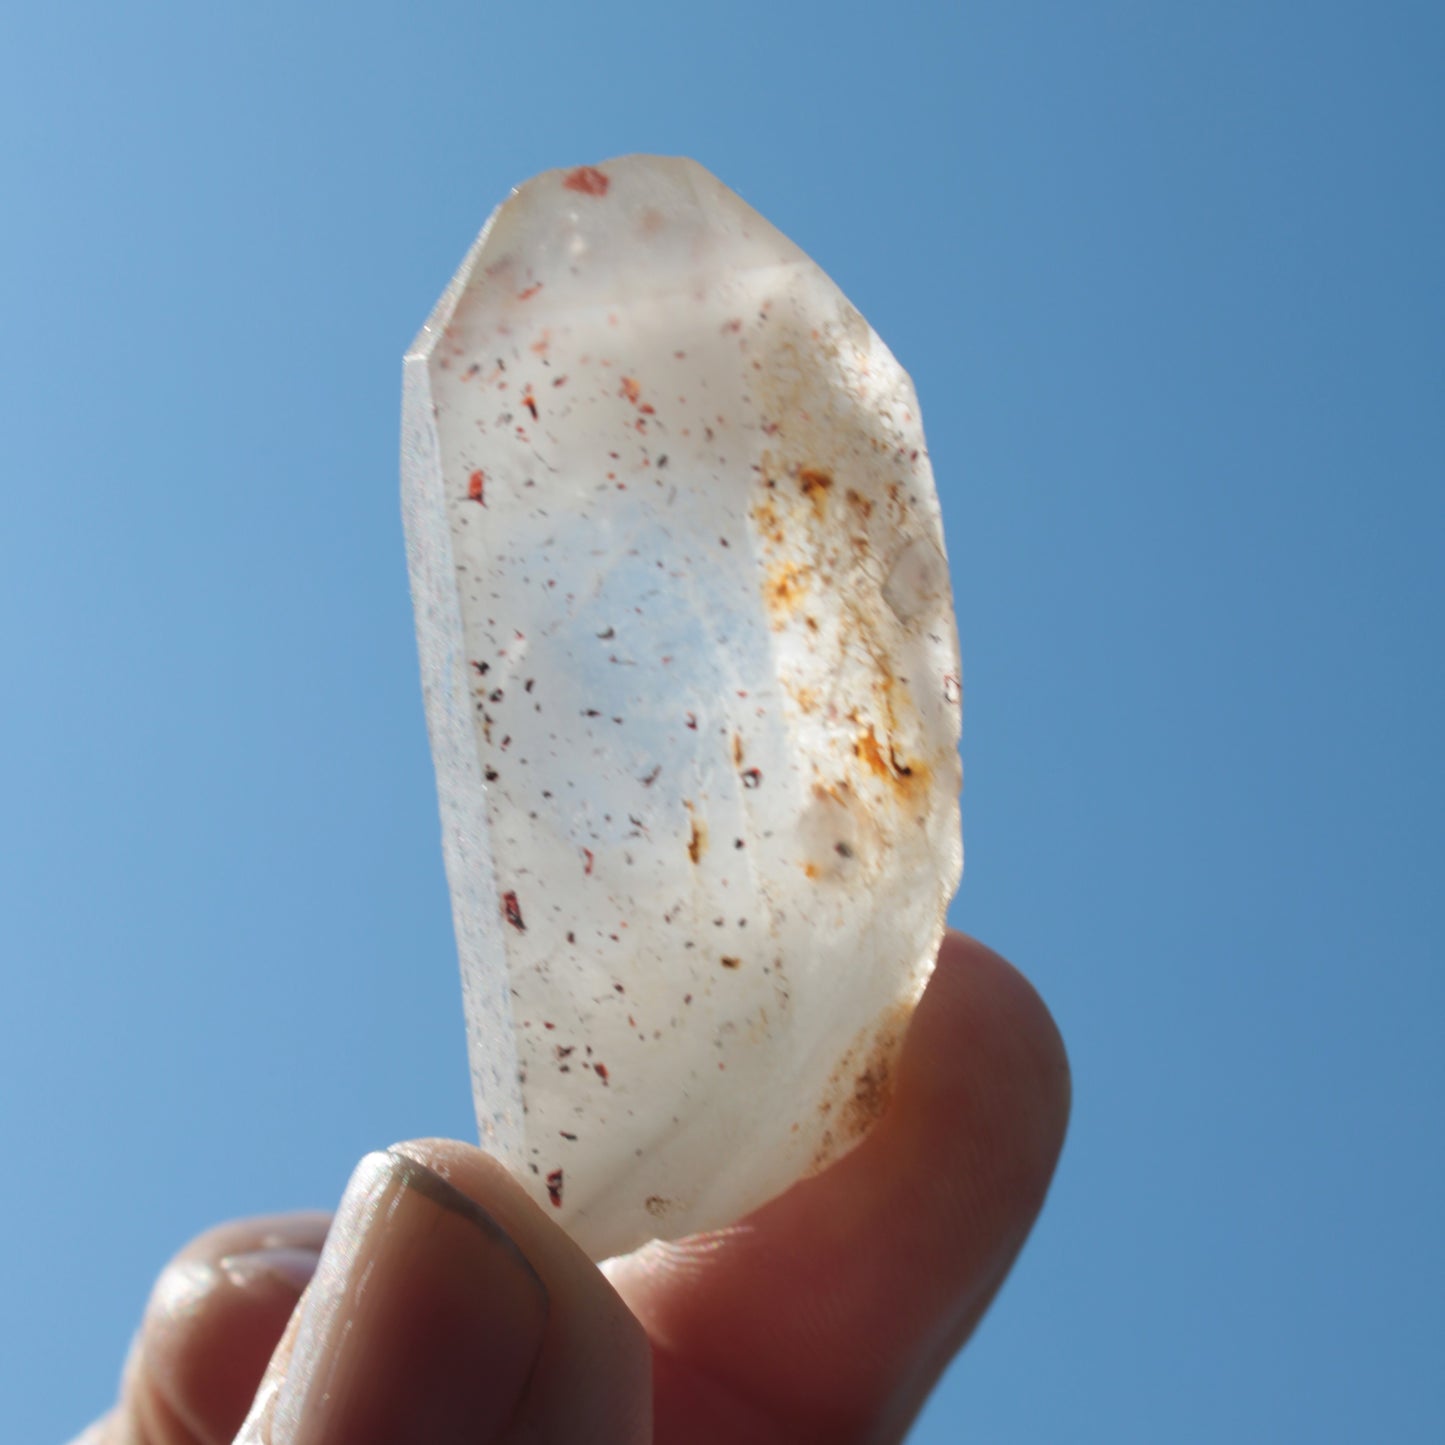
[(443, 1305)]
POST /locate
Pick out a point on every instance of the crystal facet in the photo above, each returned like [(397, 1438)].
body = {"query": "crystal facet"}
[(692, 683)]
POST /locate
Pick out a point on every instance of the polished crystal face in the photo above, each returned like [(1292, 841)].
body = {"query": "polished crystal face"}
[(692, 683)]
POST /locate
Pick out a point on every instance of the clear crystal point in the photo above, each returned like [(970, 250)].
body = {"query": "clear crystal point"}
[(692, 683)]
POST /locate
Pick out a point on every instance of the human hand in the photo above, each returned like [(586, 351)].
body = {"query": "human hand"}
[(447, 1307)]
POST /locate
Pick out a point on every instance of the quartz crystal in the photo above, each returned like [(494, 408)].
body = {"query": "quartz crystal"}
[(692, 684)]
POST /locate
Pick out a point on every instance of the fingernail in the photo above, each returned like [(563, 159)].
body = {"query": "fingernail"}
[(422, 1322), (288, 1266)]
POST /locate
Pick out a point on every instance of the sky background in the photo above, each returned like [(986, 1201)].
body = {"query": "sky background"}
[(1169, 280)]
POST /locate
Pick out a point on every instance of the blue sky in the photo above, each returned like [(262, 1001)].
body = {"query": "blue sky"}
[(1168, 279)]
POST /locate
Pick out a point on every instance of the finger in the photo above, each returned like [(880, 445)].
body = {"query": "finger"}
[(830, 1312), (447, 1308), (102, 1432), (213, 1319)]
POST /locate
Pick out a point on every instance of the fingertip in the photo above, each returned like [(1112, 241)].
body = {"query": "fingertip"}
[(594, 1376), (1016, 1049), (211, 1323), (423, 1322)]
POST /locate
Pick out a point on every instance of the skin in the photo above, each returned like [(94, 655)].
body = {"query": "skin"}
[(449, 1307)]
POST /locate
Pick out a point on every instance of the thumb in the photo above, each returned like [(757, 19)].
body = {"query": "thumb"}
[(450, 1310)]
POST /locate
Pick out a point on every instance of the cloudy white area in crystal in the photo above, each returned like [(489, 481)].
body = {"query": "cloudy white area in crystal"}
[(692, 683)]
